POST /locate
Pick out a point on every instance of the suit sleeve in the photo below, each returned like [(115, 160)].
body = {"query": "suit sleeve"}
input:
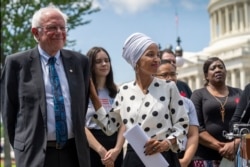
[(244, 100), (86, 80), (9, 97)]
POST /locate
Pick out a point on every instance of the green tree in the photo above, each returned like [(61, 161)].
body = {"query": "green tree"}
[(15, 28), (15, 24)]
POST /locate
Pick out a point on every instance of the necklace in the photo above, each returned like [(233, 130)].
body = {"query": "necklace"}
[(222, 107)]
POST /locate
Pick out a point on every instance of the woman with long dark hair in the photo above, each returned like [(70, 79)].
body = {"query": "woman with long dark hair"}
[(103, 82)]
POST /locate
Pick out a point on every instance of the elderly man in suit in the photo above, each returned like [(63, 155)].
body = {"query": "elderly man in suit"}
[(30, 100)]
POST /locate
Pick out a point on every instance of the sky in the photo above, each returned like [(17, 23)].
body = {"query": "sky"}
[(118, 19)]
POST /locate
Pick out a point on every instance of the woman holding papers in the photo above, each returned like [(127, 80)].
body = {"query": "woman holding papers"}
[(153, 104)]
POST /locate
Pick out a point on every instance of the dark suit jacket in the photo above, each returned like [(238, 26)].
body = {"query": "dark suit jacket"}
[(242, 111), (24, 105)]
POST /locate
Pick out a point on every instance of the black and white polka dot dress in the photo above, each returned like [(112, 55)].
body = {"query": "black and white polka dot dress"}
[(160, 112)]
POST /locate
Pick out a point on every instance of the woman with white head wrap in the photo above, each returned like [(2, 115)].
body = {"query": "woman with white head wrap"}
[(154, 104), (134, 47)]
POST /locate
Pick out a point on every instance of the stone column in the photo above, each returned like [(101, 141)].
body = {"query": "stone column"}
[(233, 78), (235, 20), (211, 26), (216, 23), (246, 13), (242, 78), (220, 23), (190, 82), (241, 18), (227, 20), (198, 81)]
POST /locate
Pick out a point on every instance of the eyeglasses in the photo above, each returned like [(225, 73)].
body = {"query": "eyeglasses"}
[(54, 28), (99, 61), (166, 75)]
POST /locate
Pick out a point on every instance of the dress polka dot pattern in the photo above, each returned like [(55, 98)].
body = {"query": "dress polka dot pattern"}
[(160, 112)]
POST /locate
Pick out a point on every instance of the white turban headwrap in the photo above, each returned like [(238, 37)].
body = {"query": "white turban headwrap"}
[(134, 46)]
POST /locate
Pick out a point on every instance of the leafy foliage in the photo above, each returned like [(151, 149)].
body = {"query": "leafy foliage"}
[(16, 15)]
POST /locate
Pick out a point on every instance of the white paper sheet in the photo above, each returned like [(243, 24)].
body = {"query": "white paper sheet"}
[(137, 138)]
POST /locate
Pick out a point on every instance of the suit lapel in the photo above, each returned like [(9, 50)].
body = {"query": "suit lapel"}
[(36, 71), (69, 68), (71, 74)]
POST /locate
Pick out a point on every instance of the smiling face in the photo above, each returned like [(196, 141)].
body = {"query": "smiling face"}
[(216, 73), (51, 34), (149, 61), (102, 64)]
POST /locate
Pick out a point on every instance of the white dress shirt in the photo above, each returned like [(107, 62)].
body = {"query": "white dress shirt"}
[(51, 130)]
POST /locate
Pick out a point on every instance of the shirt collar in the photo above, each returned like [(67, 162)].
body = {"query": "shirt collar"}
[(45, 56)]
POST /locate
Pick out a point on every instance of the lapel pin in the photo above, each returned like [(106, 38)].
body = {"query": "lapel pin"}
[(70, 70)]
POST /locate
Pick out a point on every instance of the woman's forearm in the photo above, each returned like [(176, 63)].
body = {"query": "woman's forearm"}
[(94, 144), (120, 137), (209, 141), (192, 143), (94, 96)]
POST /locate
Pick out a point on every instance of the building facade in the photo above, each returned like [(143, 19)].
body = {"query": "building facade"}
[(229, 40)]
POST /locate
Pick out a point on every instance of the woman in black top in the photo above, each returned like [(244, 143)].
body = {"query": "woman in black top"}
[(215, 104)]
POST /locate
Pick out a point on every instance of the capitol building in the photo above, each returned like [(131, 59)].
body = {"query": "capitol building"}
[(229, 40)]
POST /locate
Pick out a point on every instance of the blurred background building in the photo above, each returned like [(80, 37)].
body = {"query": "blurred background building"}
[(229, 40)]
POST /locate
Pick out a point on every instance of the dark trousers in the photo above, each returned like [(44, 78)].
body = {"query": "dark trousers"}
[(132, 159), (65, 157), (107, 142)]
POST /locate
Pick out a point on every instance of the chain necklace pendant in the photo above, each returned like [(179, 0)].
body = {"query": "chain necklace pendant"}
[(222, 111), (222, 108)]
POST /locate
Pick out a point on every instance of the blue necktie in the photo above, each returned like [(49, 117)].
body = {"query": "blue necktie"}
[(60, 115)]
